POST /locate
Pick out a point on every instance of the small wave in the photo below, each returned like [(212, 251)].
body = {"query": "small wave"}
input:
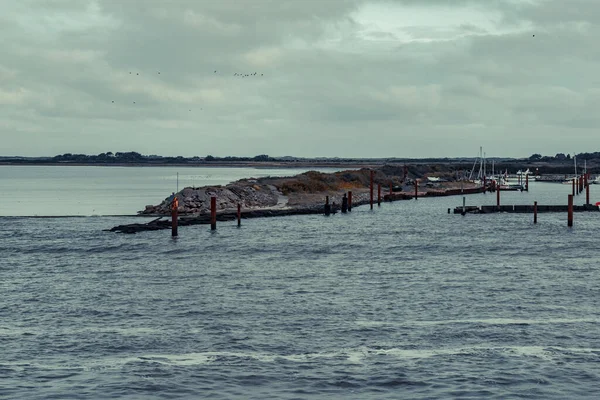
[(484, 321)]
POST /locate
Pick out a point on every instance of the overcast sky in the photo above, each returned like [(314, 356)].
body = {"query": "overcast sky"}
[(403, 78)]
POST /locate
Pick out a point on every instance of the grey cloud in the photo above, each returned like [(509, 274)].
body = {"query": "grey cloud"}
[(327, 86)]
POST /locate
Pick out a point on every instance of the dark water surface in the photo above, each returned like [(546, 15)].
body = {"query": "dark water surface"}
[(403, 302)]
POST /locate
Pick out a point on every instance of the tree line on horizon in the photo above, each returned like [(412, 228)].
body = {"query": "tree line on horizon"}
[(134, 157)]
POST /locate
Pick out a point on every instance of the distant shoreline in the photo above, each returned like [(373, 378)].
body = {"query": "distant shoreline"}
[(242, 164), (441, 165)]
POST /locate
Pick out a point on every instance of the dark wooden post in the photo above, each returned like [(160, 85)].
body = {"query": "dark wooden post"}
[(570, 213), (416, 189), (497, 196), (327, 206), (213, 213), (379, 194), (587, 191), (239, 214), (484, 184), (527, 183), (174, 212), (174, 222), (535, 212), (350, 201), (573, 186), (371, 188), (391, 189)]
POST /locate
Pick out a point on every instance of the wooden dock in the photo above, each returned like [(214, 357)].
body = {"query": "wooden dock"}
[(524, 209)]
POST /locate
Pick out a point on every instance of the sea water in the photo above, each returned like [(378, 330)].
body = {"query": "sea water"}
[(404, 301)]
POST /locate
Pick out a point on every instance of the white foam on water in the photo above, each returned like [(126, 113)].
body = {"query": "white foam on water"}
[(486, 321), (359, 356), (545, 352)]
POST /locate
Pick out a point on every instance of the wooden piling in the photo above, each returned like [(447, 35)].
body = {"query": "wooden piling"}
[(391, 188), (497, 197), (484, 184), (570, 212), (350, 201), (416, 189), (379, 194), (573, 186), (174, 213), (371, 188), (174, 222), (239, 214), (527, 183), (213, 213), (535, 212), (587, 190)]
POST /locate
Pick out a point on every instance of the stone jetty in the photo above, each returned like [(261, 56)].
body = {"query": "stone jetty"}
[(301, 194)]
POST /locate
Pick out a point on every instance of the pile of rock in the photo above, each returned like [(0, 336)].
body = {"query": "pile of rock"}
[(197, 200)]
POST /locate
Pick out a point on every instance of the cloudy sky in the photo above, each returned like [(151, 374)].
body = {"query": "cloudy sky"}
[(347, 78)]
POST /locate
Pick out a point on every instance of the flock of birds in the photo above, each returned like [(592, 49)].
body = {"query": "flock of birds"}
[(235, 74), (244, 75)]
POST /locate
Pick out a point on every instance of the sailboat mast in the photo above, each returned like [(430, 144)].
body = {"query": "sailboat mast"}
[(480, 162), (484, 162)]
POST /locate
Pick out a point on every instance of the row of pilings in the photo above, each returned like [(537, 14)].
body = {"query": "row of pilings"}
[(579, 184), (327, 210)]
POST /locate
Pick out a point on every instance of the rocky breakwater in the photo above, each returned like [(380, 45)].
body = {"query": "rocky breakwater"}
[(196, 201), (301, 194)]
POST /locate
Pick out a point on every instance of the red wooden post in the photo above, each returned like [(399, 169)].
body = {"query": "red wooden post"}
[(497, 197), (587, 190), (174, 212), (573, 186), (371, 188), (581, 184), (213, 213), (239, 214), (350, 201), (535, 212), (379, 194), (570, 213), (174, 222), (416, 189), (391, 189)]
